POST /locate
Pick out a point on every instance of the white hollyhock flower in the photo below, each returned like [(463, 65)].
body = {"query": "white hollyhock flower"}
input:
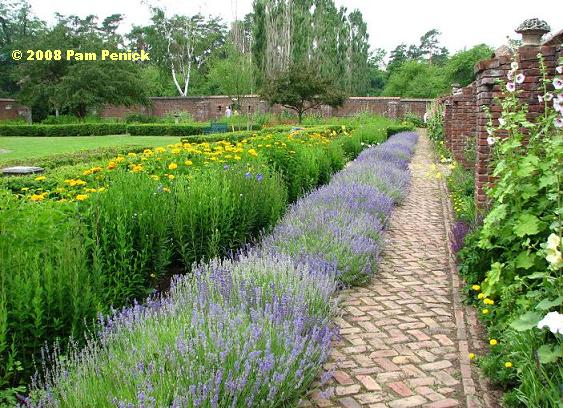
[(510, 86), (514, 65), (557, 83), (501, 121), (520, 78), (558, 122), (491, 140), (553, 321), (559, 69)]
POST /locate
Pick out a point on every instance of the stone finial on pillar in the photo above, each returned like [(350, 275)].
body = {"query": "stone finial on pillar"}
[(532, 30), (456, 88)]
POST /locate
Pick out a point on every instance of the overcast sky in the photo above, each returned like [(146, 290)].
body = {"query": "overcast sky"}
[(390, 22)]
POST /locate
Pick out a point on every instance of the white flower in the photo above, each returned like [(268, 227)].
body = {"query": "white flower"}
[(558, 122), (501, 121), (520, 78), (557, 105), (559, 69), (491, 140), (510, 75), (553, 321), (548, 96), (540, 99), (510, 87), (553, 241), (557, 83), (490, 131), (514, 65)]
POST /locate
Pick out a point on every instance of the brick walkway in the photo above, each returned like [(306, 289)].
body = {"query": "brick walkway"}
[(405, 338)]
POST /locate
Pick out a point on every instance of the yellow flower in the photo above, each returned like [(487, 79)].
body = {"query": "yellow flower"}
[(176, 151), (481, 296), (119, 159), (25, 188), (148, 152), (493, 342), (166, 189), (101, 189), (188, 162), (172, 166), (40, 178), (485, 311), (252, 152), (135, 168), (488, 301), (508, 364), (237, 157), (171, 177), (112, 165), (476, 287), (155, 177), (37, 197), (471, 356), (160, 149), (132, 154), (81, 197)]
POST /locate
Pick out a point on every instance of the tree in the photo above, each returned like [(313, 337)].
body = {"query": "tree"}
[(417, 80), (397, 57), (232, 76), (301, 88), (459, 68)]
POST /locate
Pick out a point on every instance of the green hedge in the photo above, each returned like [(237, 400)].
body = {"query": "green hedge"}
[(82, 129), (391, 130), (165, 130)]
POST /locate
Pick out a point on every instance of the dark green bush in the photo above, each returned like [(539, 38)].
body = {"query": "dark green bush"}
[(81, 129), (391, 130), (165, 130), (142, 118)]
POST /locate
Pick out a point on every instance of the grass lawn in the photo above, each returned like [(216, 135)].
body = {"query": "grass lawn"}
[(34, 147)]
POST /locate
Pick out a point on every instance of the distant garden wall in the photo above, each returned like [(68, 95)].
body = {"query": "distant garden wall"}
[(10, 110), (465, 111), (213, 107)]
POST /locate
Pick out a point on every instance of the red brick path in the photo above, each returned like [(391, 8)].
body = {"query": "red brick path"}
[(405, 338)]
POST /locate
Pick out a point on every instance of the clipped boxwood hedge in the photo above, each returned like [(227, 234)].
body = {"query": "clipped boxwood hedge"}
[(391, 130), (165, 130), (79, 129)]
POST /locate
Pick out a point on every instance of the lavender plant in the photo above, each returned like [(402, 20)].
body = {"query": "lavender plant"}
[(251, 331)]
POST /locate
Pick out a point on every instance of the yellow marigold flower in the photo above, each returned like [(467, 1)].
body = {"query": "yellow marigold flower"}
[(188, 162), (166, 189), (135, 168), (160, 149), (488, 301), (481, 296), (476, 287), (119, 159), (155, 177), (252, 152), (90, 190), (508, 364), (132, 154), (176, 151), (40, 178), (471, 356), (148, 152), (493, 342), (172, 166), (37, 197), (81, 197), (112, 165), (485, 311), (237, 157), (101, 189), (171, 177)]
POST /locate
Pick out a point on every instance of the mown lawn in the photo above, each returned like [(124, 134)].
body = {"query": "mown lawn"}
[(34, 147)]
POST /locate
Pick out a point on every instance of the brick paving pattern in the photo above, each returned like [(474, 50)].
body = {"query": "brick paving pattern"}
[(405, 337)]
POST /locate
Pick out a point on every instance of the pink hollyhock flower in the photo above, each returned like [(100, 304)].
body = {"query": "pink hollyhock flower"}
[(510, 86), (558, 105), (558, 122), (557, 83), (520, 78)]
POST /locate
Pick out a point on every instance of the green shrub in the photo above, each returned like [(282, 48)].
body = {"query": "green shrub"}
[(141, 118), (391, 130), (165, 130), (82, 129), (413, 118)]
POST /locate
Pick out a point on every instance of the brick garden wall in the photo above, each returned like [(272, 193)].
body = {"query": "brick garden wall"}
[(465, 117), (9, 109), (213, 107)]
